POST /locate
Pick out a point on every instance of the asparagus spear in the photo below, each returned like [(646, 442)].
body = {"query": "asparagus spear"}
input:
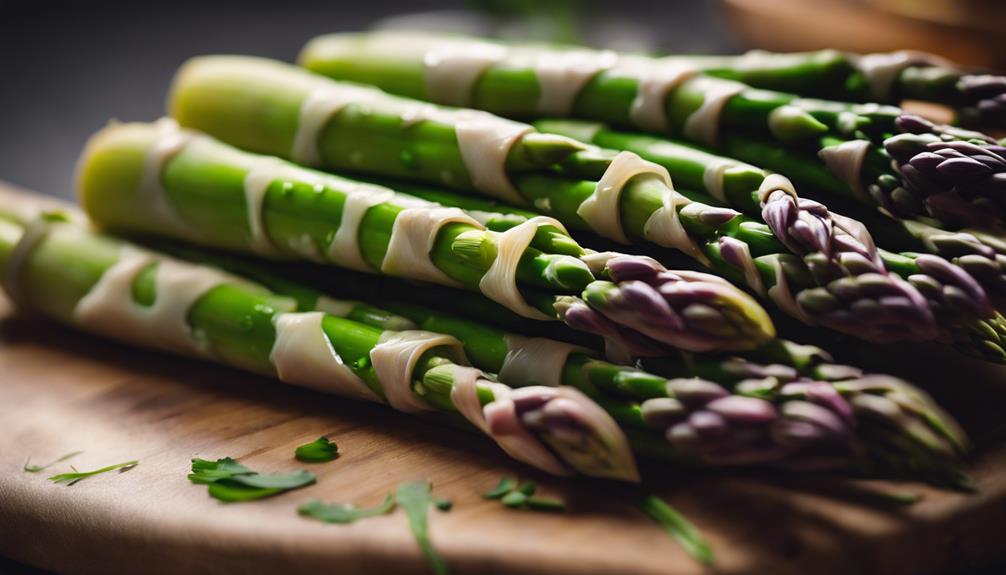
[(210, 193), (979, 99), (759, 414), (777, 358), (380, 134), (657, 95), (981, 252), (966, 168)]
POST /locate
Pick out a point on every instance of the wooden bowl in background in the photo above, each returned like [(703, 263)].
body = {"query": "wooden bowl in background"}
[(967, 31)]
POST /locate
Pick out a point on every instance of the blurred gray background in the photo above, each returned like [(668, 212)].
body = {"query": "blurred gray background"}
[(66, 68)]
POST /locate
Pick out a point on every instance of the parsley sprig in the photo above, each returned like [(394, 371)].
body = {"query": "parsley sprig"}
[(348, 513), (320, 450), (78, 476), (230, 481), (414, 497), (522, 495), (678, 527), (29, 468)]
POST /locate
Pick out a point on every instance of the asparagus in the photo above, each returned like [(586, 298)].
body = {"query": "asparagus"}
[(750, 415), (968, 169), (979, 99), (55, 266), (663, 95), (777, 358), (379, 134), (206, 194), (956, 296), (982, 253), (52, 266), (966, 317)]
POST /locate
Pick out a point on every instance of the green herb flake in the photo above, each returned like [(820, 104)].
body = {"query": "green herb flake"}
[(231, 482), (678, 527), (283, 481), (443, 504), (415, 498), (338, 513), (511, 495), (514, 499), (528, 488), (204, 471), (506, 485), (29, 468), (320, 450), (229, 492), (546, 504), (77, 476)]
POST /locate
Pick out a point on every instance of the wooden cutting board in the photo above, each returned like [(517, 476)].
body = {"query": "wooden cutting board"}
[(63, 391)]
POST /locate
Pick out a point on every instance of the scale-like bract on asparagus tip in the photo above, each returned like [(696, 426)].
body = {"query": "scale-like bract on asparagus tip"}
[(690, 310), (583, 434)]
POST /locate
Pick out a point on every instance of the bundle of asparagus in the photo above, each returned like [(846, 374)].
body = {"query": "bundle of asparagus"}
[(582, 416), (158, 179), (839, 280), (117, 289), (955, 292), (672, 96), (982, 251), (966, 318), (716, 388)]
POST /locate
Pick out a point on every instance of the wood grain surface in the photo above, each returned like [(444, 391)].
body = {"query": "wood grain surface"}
[(62, 390)]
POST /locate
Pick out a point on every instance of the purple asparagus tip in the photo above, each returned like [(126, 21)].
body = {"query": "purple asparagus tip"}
[(688, 310), (807, 227), (584, 436), (622, 345), (961, 174), (986, 94), (808, 424)]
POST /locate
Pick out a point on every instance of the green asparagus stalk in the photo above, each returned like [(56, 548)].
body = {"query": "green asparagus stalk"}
[(667, 95), (206, 192), (406, 62), (383, 135), (979, 99)]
